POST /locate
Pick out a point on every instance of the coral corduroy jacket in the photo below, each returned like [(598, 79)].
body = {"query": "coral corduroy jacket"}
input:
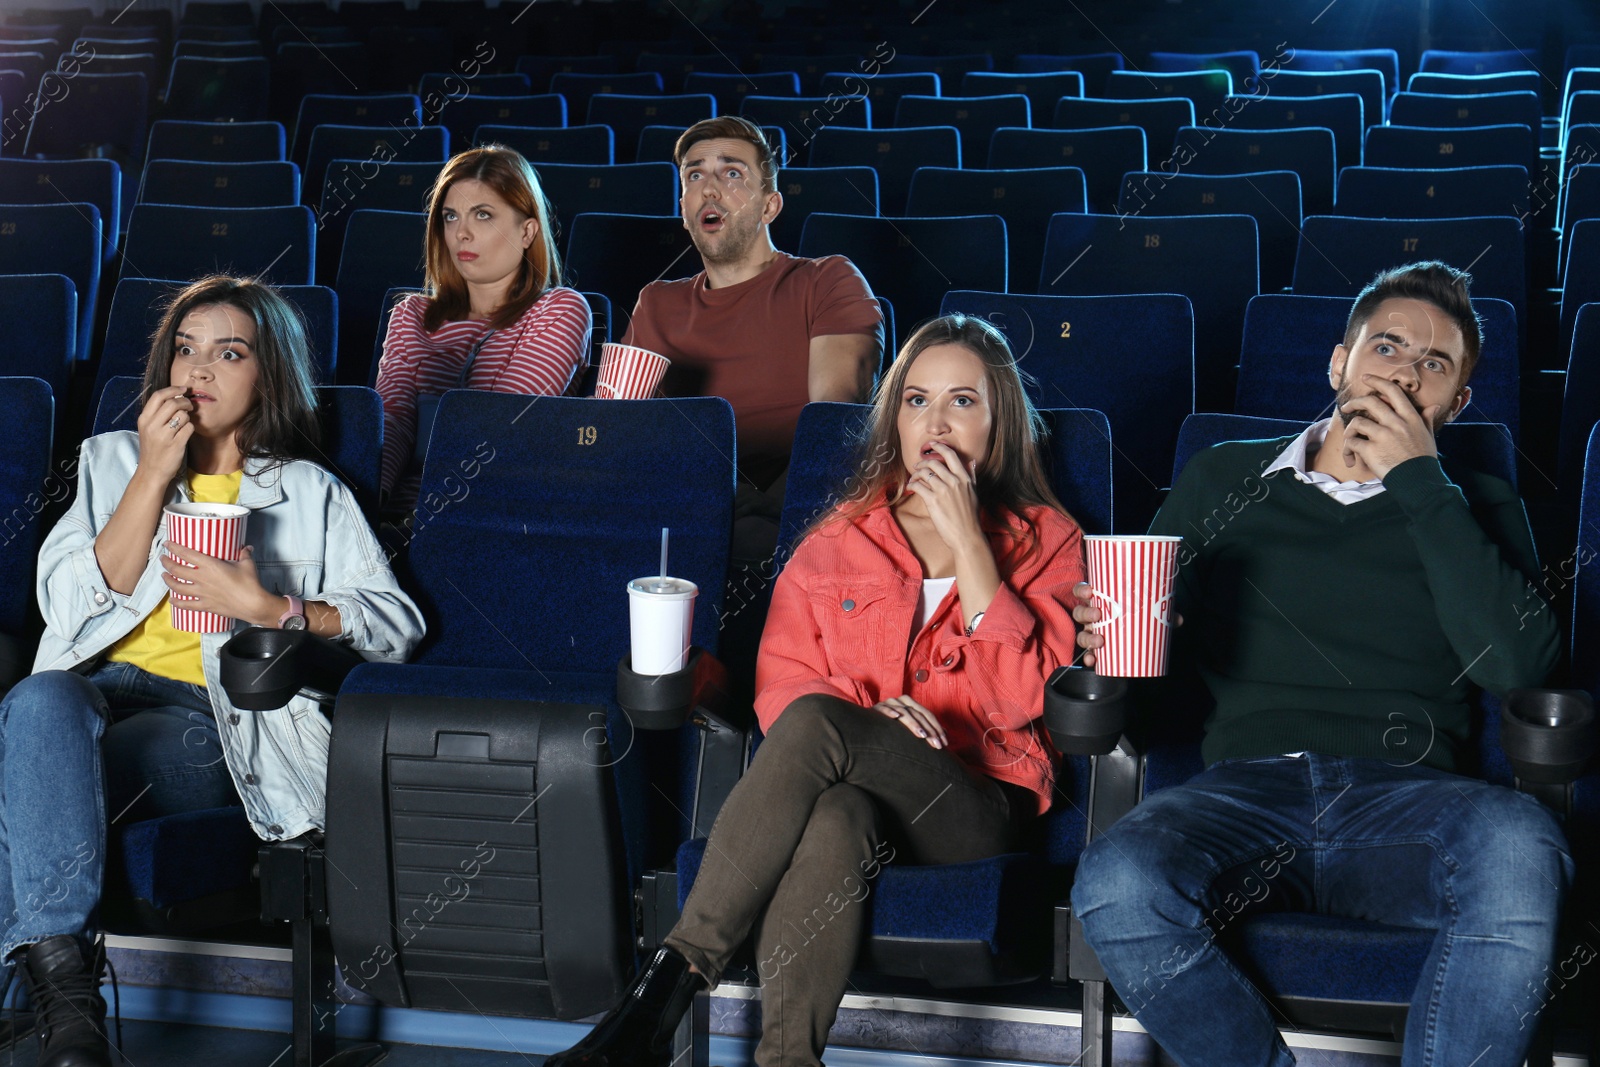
[(841, 622)]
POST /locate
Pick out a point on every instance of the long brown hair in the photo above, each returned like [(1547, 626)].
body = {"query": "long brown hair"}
[(509, 175), (282, 425), (1010, 479)]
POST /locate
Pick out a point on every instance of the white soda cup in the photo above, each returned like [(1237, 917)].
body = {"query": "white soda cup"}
[(1131, 579), (215, 530), (660, 623)]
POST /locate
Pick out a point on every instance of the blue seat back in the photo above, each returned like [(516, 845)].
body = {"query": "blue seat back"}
[(1241, 65), (218, 89), (1104, 155), (1307, 151), (29, 412), (914, 261), (578, 87), (1445, 61), (1384, 60), (56, 181), (1093, 66), (1510, 81), (195, 183), (1464, 146), (350, 109), (90, 114), (1025, 198), (536, 512), (628, 115), (731, 89), (1582, 282), (806, 190), (56, 239), (1082, 351), (591, 145), (277, 244), (894, 154), (439, 84), (1206, 88), (1288, 339), (1445, 110), (1342, 114), (541, 69), (1365, 83), (1270, 197), (463, 115), (1454, 192), (1338, 256), (222, 142), (39, 313), (1211, 259), (382, 250), (658, 248), (633, 188), (977, 117), (883, 89), (1160, 118), (376, 144), (1580, 403), (1042, 90)]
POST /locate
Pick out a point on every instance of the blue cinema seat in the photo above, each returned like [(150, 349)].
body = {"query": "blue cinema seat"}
[(57, 239), (807, 190), (277, 244), (1025, 198), (39, 313), (25, 476)]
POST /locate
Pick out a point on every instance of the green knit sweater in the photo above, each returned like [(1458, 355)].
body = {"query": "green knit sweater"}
[(1352, 630)]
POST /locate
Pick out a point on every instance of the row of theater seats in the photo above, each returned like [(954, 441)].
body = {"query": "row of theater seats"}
[(560, 828)]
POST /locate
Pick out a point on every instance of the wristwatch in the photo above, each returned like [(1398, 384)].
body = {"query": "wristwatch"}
[(295, 617)]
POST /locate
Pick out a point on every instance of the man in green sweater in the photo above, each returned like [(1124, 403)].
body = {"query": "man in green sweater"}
[(1343, 592)]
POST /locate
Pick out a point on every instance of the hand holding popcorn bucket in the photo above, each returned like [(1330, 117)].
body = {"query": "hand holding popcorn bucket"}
[(216, 530), (629, 373), (1131, 580)]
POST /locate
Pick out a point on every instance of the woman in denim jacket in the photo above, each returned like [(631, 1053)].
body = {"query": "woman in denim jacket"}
[(124, 718)]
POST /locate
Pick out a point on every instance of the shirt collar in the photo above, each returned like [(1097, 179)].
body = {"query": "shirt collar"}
[(1295, 459)]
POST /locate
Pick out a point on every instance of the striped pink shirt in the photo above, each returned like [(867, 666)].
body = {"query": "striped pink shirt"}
[(539, 355)]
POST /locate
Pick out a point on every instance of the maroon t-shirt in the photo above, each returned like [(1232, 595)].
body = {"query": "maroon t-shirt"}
[(751, 344)]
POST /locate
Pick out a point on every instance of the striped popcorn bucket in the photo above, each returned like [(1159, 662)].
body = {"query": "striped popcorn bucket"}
[(628, 373), (216, 530), (1131, 581)]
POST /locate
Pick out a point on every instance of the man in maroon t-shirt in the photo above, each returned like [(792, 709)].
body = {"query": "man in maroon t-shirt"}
[(766, 330)]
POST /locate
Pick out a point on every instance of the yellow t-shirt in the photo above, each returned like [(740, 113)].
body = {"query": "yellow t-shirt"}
[(154, 645)]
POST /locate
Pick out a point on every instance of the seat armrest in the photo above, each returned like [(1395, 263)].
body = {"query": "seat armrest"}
[(262, 669), (667, 701)]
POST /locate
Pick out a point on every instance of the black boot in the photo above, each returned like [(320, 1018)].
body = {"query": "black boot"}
[(63, 979), (638, 1032)]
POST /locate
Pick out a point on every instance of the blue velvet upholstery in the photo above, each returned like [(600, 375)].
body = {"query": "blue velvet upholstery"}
[(627, 115), (729, 90), (1445, 61), (950, 68), (218, 88), (440, 83), (593, 145), (1582, 283), (638, 188), (197, 183), (1465, 146), (1306, 151), (364, 109), (914, 261), (1342, 114), (1206, 88), (463, 114), (1320, 956), (81, 181), (895, 154), (40, 312), (803, 116), (1093, 66), (1271, 197), (1506, 81), (1041, 89), (27, 406), (1586, 598), (1283, 363), (224, 142), (57, 238), (1110, 337), (806, 190), (1372, 86), (1580, 404), (382, 250), (1491, 109), (1580, 199), (1454, 192), (1338, 256), (658, 248), (1211, 259), (657, 143), (1025, 198), (812, 68), (540, 69), (1241, 65), (426, 144), (1384, 60), (108, 111), (884, 89), (1104, 154), (676, 67), (277, 244), (179, 858), (578, 87), (976, 117)]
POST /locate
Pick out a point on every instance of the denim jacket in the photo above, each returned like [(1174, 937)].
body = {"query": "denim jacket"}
[(309, 539)]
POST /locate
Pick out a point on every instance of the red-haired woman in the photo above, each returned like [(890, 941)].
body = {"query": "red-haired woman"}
[(495, 316)]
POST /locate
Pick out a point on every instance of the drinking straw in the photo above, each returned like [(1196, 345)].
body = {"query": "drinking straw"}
[(663, 554)]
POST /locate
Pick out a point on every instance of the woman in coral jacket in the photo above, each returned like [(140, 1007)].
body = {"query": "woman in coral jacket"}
[(900, 682)]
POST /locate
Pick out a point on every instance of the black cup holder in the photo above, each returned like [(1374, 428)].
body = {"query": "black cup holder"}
[(1085, 712), (1548, 734), (263, 669), (666, 701)]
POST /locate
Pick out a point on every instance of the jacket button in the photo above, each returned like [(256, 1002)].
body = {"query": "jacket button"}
[(949, 660), (233, 719), (849, 605), (921, 676), (249, 779), (99, 598), (275, 828)]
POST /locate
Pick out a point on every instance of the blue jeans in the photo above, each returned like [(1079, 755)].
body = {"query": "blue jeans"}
[(161, 755), (1409, 846)]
